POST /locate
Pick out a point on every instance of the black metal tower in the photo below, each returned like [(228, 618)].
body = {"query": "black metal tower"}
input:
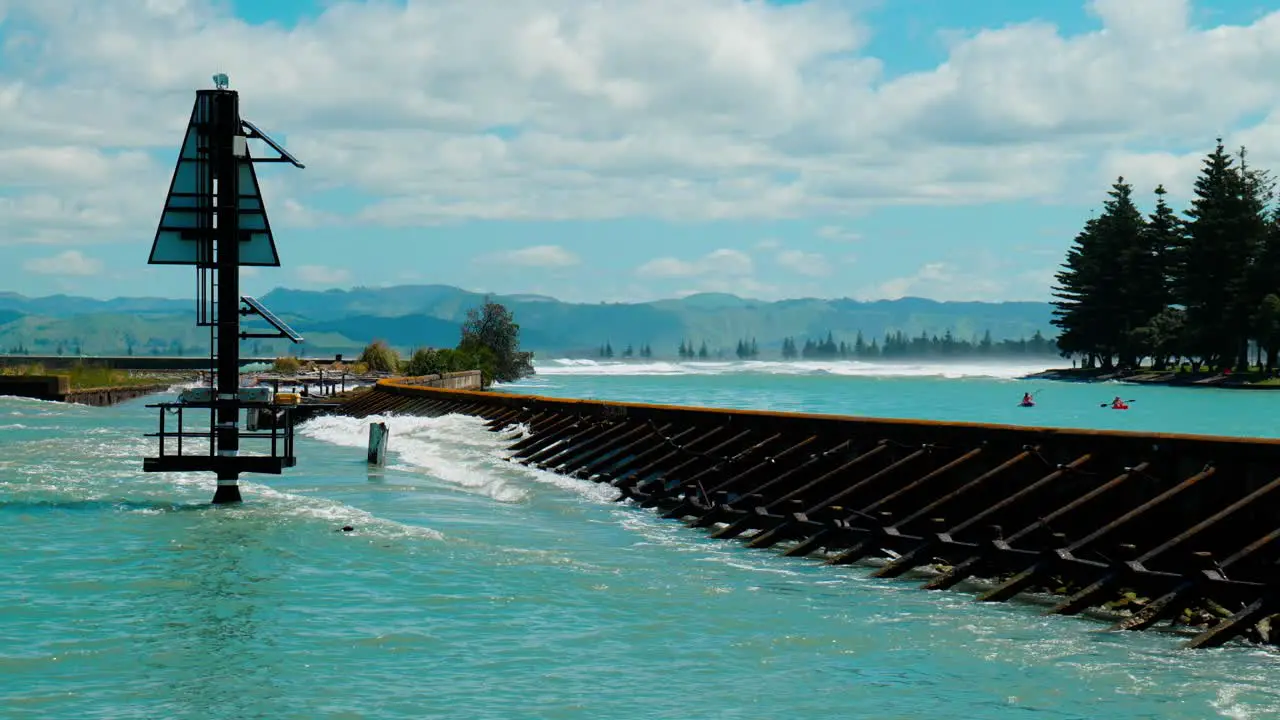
[(214, 219)]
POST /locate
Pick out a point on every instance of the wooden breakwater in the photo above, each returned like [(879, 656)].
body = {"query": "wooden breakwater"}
[(1162, 527), (57, 388)]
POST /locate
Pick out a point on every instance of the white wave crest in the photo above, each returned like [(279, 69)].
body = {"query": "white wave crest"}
[(455, 449), (853, 368)]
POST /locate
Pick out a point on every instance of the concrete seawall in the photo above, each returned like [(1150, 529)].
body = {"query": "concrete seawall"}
[(1157, 527), (57, 388), (465, 380)]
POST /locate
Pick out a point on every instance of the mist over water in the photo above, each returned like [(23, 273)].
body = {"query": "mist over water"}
[(853, 368), (472, 587)]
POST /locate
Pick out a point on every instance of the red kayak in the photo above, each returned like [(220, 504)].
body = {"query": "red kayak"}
[(1119, 407)]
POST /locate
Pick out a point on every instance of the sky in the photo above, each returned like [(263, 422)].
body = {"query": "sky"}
[(625, 150)]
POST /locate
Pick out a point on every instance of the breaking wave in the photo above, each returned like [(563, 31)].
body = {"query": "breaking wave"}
[(989, 369), (455, 449)]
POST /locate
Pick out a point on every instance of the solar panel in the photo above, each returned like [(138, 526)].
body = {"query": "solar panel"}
[(271, 318)]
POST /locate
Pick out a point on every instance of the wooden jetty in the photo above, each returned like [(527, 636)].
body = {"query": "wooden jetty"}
[(1165, 527)]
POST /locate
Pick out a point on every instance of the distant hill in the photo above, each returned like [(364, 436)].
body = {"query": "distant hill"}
[(409, 316), (65, 305)]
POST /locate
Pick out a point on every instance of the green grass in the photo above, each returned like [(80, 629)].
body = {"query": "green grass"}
[(83, 377)]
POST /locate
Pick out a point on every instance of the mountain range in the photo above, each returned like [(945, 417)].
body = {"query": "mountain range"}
[(408, 316)]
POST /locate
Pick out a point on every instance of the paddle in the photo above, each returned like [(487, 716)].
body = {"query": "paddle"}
[(1107, 404), (1033, 396)]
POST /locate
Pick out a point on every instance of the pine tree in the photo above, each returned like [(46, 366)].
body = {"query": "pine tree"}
[(1131, 282), (1257, 231), (1086, 297), (702, 351), (986, 345), (788, 348), (1166, 240), (1214, 261)]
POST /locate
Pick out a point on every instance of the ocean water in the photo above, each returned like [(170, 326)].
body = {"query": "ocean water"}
[(475, 588), (961, 392)]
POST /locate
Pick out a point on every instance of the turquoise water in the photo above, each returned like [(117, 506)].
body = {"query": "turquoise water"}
[(987, 393), (472, 588)]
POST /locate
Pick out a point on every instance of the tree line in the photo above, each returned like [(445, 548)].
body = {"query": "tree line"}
[(606, 351), (1203, 287), (894, 345), (898, 345)]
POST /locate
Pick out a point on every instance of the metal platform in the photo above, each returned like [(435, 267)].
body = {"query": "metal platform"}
[(173, 452)]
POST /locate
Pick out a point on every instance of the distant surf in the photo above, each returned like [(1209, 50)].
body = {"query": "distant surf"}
[(962, 369)]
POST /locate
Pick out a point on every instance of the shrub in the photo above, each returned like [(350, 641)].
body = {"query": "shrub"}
[(286, 365), (358, 368), (380, 357), (427, 361)]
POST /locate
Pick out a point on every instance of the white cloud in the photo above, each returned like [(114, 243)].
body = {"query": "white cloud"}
[(683, 109), (941, 281), (837, 233), (70, 262), (322, 275), (722, 262), (769, 244), (804, 263), (538, 256)]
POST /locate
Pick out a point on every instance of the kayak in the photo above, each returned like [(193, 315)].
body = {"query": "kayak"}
[(1026, 404), (1119, 407)]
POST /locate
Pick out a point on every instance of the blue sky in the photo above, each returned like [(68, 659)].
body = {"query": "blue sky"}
[(626, 150)]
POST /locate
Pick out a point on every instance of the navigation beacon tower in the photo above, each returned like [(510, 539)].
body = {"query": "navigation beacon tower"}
[(214, 219)]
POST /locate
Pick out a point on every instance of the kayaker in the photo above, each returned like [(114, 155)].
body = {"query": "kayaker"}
[(1027, 399), (1118, 404)]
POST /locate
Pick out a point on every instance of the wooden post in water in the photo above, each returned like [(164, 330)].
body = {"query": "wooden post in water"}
[(378, 435)]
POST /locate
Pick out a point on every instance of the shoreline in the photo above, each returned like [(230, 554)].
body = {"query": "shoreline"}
[(1166, 378)]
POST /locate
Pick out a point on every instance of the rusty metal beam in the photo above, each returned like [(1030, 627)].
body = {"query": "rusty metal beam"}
[(915, 557), (1086, 597), (838, 531), (1055, 558), (976, 563)]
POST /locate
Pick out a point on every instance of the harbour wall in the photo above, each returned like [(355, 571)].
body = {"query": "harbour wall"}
[(1149, 529), (465, 380), (57, 388)]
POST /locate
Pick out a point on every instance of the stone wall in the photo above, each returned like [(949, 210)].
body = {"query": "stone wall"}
[(110, 396), (465, 380), (40, 387), (57, 388)]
